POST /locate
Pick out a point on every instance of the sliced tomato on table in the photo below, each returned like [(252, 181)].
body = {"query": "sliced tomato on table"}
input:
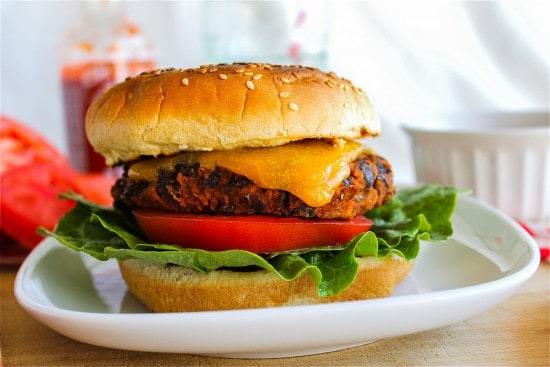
[(33, 173), (255, 233), (29, 199), (95, 187), (20, 145)]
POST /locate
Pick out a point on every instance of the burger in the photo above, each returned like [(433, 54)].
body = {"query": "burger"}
[(246, 186)]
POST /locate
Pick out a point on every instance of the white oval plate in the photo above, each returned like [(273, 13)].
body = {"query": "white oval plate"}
[(487, 260)]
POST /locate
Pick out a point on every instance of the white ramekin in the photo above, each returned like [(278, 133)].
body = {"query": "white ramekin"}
[(503, 158)]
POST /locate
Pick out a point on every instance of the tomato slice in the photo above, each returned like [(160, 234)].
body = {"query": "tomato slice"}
[(95, 187), (33, 173), (259, 234), (29, 199), (20, 145)]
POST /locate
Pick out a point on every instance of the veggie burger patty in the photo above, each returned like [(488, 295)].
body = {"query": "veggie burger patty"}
[(196, 189)]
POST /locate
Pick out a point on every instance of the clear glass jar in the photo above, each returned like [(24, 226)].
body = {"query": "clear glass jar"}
[(279, 32)]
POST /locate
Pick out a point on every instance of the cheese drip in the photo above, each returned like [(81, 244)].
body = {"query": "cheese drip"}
[(312, 170)]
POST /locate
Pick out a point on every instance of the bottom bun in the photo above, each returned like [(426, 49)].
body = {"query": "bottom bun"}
[(171, 288)]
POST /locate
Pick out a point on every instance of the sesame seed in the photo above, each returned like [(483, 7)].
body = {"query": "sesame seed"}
[(250, 85), (284, 94), (238, 71), (296, 75), (203, 70), (222, 76), (213, 69), (130, 95), (330, 83), (285, 80), (293, 106), (257, 76), (268, 67), (185, 81), (248, 73)]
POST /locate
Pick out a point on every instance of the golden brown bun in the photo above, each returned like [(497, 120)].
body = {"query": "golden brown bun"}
[(168, 288), (220, 107)]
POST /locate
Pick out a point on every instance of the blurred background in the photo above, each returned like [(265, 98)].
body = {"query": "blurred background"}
[(414, 59)]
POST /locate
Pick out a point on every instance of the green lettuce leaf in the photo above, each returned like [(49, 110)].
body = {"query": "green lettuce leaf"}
[(422, 213)]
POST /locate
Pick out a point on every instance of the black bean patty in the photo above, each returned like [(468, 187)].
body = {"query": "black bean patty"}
[(196, 189)]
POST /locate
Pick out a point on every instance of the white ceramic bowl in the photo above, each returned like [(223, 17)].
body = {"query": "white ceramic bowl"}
[(504, 158)]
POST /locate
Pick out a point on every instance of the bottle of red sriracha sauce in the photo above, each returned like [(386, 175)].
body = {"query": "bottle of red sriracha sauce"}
[(102, 49)]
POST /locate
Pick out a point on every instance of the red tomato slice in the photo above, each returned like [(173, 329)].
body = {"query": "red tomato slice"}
[(29, 199), (20, 145), (33, 174), (95, 187), (259, 234)]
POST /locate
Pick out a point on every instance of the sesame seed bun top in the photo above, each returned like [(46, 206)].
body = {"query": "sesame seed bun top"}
[(222, 107)]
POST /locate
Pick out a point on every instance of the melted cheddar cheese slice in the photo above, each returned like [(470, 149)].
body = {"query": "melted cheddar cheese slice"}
[(310, 169)]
